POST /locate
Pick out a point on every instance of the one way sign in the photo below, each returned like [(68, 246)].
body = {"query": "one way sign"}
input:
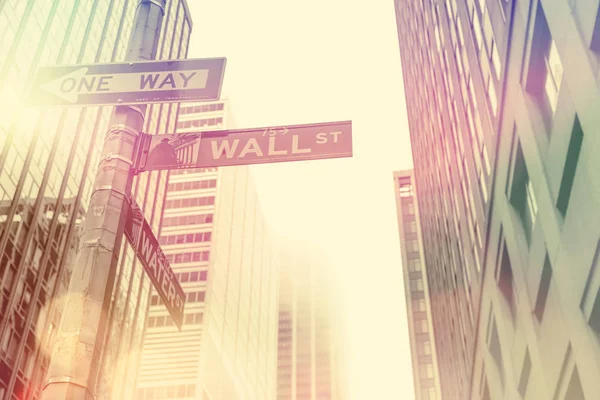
[(129, 83)]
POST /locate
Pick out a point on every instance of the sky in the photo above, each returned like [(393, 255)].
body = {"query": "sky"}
[(319, 61)]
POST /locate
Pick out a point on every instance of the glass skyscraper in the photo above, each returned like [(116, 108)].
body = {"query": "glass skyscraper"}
[(451, 80), (48, 160)]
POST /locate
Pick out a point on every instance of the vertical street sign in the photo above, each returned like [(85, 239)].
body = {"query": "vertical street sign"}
[(128, 83), (146, 246), (246, 146)]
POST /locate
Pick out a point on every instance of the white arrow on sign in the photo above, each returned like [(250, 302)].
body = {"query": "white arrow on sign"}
[(69, 87)]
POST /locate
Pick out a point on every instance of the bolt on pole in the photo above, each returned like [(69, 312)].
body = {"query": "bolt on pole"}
[(75, 359)]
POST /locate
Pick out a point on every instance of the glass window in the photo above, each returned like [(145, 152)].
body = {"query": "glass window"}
[(522, 195), (493, 97), (525, 372), (553, 76), (570, 167), (544, 288), (477, 32), (496, 60)]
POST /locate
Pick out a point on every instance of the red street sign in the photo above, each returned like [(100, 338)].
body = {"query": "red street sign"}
[(246, 146), (143, 241)]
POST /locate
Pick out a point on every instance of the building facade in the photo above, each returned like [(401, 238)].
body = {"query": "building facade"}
[(238, 355), (523, 74), (170, 359), (416, 288), (452, 67), (539, 330), (310, 345), (48, 160)]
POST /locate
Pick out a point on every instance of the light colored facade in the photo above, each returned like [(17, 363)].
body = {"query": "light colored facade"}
[(530, 68), (238, 357), (416, 288), (310, 345), (169, 365), (48, 160), (539, 329), (216, 241)]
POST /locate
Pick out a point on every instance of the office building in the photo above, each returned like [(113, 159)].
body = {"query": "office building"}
[(238, 355), (48, 160), (310, 343), (416, 287), (523, 74), (215, 238), (170, 359), (451, 76)]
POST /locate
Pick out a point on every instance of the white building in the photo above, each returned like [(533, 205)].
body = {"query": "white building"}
[(215, 238), (169, 363)]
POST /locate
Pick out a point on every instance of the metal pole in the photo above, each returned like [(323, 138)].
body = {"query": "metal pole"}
[(75, 363)]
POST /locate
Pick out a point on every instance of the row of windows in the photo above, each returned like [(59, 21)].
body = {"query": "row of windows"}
[(188, 220), (185, 238), (439, 202), (428, 393), (190, 297), (170, 392), (166, 320), (416, 285), (426, 371), (197, 123), (414, 265), (196, 276), (191, 171), (406, 189), (189, 256), (410, 227), (418, 305), (424, 348), (191, 202), (202, 184), (422, 326), (522, 195), (505, 286), (412, 245), (201, 109)]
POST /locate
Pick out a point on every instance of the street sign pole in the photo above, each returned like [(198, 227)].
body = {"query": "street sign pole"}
[(75, 360)]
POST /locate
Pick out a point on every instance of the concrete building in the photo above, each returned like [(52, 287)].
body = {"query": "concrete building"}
[(310, 342), (216, 241), (238, 354), (539, 329), (530, 69), (416, 287), (169, 365), (48, 161)]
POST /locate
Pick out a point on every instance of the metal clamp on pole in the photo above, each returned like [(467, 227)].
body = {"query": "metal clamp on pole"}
[(111, 156), (136, 109), (123, 128), (65, 379)]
